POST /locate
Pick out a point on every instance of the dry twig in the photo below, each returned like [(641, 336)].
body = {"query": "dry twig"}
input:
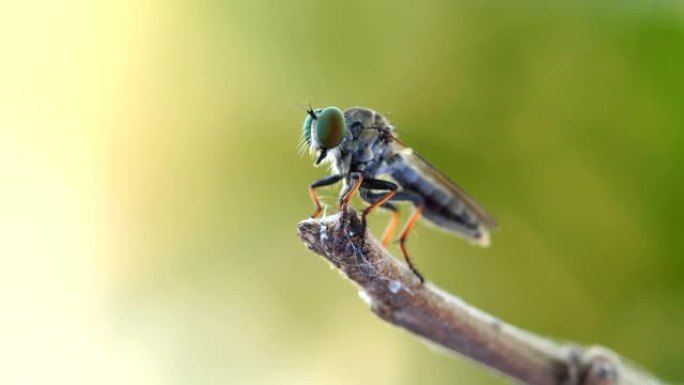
[(396, 295)]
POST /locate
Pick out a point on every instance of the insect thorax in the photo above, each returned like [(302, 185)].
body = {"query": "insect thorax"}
[(365, 147)]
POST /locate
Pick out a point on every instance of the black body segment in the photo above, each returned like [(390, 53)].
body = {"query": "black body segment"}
[(327, 181), (439, 205)]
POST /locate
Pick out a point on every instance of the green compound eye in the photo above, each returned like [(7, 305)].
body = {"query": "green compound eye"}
[(330, 127)]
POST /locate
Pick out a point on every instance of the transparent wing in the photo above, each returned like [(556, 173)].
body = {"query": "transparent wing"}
[(429, 171)]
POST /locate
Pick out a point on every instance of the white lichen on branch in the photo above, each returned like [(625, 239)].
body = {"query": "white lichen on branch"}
[(396, 295)]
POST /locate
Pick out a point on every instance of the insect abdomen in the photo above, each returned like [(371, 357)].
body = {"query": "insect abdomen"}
[(440, 206)]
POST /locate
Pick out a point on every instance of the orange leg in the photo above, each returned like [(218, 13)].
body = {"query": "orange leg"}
[(315, 200), (402, 241), (327, 181), (350, 194), (390, 228), (375, 204)]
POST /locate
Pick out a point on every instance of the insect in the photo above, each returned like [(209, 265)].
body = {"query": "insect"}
[(364, 152)]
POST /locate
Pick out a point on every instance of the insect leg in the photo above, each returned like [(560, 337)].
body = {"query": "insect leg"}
[(350, 190), (392, 226), (418, 201), (380, 200), (327, 181), (371, 197), (404, 195)]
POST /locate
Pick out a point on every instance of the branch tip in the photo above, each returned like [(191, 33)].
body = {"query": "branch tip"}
[(396, 295)]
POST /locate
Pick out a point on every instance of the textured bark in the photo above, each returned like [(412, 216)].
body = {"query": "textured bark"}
[(397, 296)]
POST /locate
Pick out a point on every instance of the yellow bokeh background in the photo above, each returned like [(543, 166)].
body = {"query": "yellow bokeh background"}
[(151, 184)]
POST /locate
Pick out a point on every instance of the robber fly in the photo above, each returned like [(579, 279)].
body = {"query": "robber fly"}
[(363, 150)]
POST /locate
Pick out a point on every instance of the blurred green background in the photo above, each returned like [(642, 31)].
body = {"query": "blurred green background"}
[(151, 186)]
